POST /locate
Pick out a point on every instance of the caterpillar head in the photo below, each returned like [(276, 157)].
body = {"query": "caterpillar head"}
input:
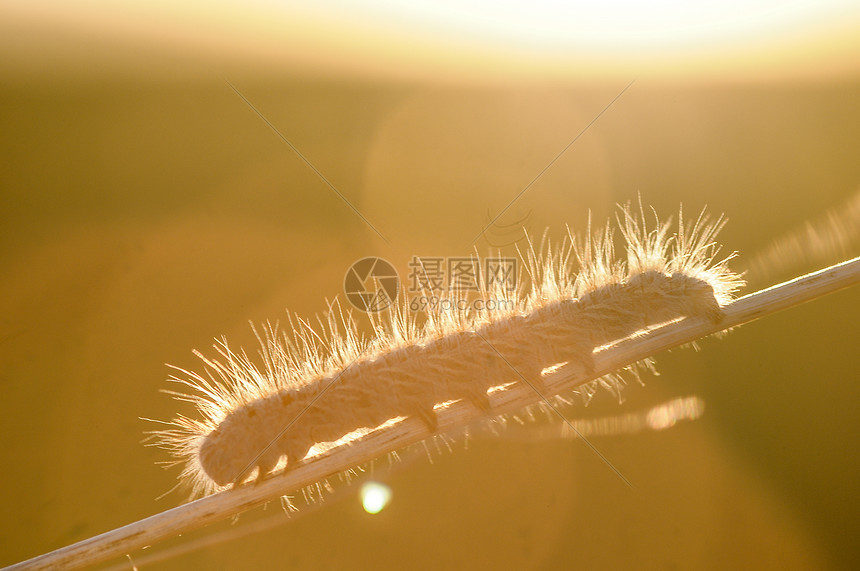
[(249, 438), (223, 463), (241, 442)]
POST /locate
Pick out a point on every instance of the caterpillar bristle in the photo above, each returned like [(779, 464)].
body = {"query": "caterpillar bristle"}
[(315, 385)]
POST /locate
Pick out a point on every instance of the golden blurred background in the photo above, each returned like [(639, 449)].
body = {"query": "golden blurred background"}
[(145, 209)]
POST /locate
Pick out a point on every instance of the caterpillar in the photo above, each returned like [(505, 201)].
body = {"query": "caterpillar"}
[(317, 386)]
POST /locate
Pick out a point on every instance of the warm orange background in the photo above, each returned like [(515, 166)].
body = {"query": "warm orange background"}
[(145, 210)]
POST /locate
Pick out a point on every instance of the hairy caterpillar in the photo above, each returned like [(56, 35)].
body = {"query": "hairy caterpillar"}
[(318, 387)]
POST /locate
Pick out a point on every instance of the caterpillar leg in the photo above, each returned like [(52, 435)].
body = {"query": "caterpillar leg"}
[(583, 355), (535, 381), (481, 401), (428, 417), (295, 451), (263, 471)]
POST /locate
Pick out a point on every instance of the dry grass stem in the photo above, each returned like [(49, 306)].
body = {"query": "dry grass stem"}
[(223, 505)]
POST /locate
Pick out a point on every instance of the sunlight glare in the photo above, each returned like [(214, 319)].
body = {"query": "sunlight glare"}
[(374, 497)]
